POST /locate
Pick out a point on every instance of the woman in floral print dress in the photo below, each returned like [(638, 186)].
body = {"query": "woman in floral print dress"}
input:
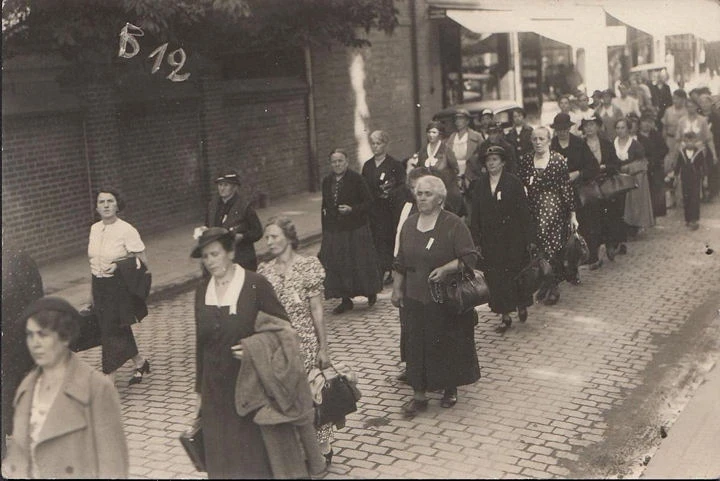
[(298, 283), (545, 176)]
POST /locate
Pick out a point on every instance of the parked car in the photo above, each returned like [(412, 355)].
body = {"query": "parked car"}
[(501, 108)]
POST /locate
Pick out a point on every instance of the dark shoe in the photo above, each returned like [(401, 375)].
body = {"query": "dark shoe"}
[(553, 297), (622, 249), (575, 281), (506, 323), (412, 407), (522, 314), (345, 305), (449, 398), (694, 226), (596, 265), (389, 279), (610, 252), (138, 376), (372, 299), (328, 458), (543, 292), (402, 377)]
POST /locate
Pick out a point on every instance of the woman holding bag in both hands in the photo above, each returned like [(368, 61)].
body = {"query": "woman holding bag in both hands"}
[(440, 351), (298, 282)]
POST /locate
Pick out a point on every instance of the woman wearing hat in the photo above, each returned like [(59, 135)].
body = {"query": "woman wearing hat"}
[(552, 204), (581, 166), (231, 211), (347, 251), (638, 204), (502, 227), (602, 221), (67, 422), (609, 113), (233, 306), (438, 157), (112, 243)]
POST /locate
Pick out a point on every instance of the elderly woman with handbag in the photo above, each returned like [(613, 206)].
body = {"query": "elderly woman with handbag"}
[(440, 351), (503, 229)]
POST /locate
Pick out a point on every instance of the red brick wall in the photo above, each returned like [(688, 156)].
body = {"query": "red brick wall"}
[(45, 190)]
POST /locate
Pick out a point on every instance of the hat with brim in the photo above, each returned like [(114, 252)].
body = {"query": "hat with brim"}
[(562, 121), (495, 150), (592, 120), (229, 176), (50, 303), (208, 237), (462, 113), (487, 112)]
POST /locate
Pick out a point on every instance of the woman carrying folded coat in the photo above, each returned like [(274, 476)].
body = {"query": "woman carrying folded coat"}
[(116, 251), (638, 204), (241, 326)]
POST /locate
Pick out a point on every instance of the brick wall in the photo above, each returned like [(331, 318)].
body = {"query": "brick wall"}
[(45, 189)]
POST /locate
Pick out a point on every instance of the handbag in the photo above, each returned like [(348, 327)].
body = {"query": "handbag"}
[(575, 253), (617, 184), (532, 276), (89, 331), (462, 291), (589, 192), (192, 441), (338, 400)]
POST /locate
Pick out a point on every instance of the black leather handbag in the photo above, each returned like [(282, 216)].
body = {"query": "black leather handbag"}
[(192, 441), (617, 184), (575, 253), (338, 400), (532, 276), (462, 291), (89, 331)]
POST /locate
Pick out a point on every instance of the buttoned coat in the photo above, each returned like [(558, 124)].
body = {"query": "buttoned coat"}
[(83, 435), (521, 143), (241, 219)]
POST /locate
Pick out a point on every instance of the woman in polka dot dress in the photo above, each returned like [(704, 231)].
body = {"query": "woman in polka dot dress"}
[(546, 179)]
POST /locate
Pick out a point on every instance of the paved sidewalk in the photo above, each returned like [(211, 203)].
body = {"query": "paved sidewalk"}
[(169, 252), (692, 448)]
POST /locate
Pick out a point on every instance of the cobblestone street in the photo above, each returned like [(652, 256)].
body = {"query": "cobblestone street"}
[(547, 386)]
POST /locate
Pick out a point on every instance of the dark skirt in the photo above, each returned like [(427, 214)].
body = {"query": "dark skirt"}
[(350, 262), (440, 351), (656, 177), (382, 226), (114, 307), (505, 293), (403, 333)]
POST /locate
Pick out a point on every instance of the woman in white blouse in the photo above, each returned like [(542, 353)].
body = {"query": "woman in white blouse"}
[(112, 240), (440, 159)]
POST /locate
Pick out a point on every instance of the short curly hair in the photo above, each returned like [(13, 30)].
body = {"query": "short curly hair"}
[(288, 229), (63, 323)]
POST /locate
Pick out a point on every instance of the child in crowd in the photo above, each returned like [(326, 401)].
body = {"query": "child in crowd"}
[(691, 166)]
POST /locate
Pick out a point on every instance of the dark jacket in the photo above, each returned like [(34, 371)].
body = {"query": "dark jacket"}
[(655, 150), (501, 224), (579, 157), (83, 435), (447, 169), (354, 192), (241, 219), (609, 157), (521, 143), (394, 174), (133, 273)]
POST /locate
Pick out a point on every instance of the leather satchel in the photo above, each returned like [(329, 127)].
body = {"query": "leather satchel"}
[(532, 276), (338, 400), (192, 441), (617, 184), (462, 291), (89, 331)]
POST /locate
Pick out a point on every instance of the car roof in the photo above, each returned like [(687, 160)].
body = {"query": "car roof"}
[(476, 107), (648, 66)]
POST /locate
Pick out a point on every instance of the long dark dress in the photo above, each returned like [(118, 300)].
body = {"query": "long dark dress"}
[(382, 223), (655, 151), (234, 446), (440, 351), (608, 228), (347, 251), (503, 228), (579, 159), (551, 201)]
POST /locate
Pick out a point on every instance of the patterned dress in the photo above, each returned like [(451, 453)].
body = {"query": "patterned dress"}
[(551, 200), (301, 282)]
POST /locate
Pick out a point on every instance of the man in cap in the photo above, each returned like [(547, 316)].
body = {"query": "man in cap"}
[(519, 134), (231, 211), (487, 118)]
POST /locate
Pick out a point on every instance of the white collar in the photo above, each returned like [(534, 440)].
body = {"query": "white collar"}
[(622, 151), (232, 293)]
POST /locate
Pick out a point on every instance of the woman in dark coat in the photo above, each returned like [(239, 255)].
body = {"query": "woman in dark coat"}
[(440, 350), (441, 160), (502, 227), (655, 150), (347, 251), (231, 211), (112, 242), (385, 177), (552, 204), (606, 226), (582, 167)]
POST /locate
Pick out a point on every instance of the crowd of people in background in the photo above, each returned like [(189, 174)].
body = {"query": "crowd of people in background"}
[(496, 199)]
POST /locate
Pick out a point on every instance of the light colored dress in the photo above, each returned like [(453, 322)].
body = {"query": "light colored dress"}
[(302, 281)]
